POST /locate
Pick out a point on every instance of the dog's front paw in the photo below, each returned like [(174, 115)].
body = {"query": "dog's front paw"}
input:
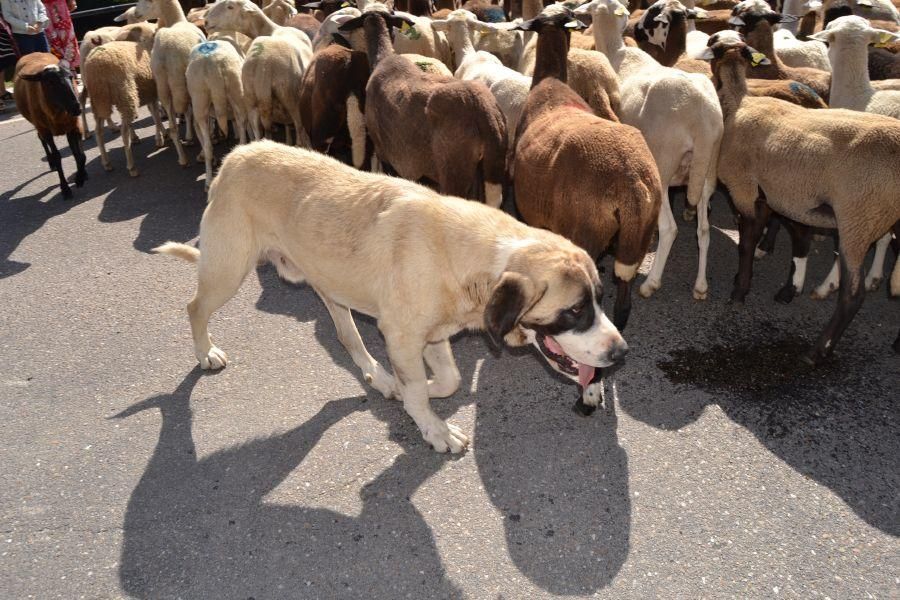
[(444, 437), (215, 359)]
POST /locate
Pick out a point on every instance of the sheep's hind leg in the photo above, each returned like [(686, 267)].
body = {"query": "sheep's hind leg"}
[(876, 272), (374, 374), (701, 285), (78, 152), (159, 134), (751, 228), (852, 292), (767, 245), (668, 229), (126, 143), (55, 160), (801, 238), (101, 143)]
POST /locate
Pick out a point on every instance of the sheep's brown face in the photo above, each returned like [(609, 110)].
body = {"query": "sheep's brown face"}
[(550, 298)]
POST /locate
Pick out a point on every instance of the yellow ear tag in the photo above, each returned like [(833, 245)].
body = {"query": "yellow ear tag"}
[(345, 5), (404, 28), (619, 12), (883, 40), (757, 58)]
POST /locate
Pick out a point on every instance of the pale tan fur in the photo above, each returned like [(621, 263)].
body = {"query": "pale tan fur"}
[(425, 266)]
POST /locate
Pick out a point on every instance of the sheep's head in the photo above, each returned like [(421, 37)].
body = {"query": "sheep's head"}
[(376, 11), (727, 47), (146, 9), (605, 10), (467, 19), (328, 7), (655, 24), (228, 15), (850, 31), (747, 15), (554, 16), (549, 295), (56, 82)]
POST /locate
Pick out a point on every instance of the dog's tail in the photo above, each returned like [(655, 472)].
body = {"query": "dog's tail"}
[(182, 251)]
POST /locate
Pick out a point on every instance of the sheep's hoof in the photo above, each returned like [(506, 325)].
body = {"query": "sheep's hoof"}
[(647, 289), (66, 192), (188, 143), (700, 295), (689, 214), (107, 167), (80, 178), (201, 158), (786, 294), (821, 294), (737, 297), (759, 253), (133, 172), (873, 284)]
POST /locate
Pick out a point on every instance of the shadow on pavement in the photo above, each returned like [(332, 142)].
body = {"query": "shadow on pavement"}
[(200, 528)]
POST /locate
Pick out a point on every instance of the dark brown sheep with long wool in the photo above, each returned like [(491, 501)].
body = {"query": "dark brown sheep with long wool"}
[(430, 127), (45, 97)]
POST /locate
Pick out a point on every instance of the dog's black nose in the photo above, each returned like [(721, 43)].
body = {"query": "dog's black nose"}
[(618, 351)]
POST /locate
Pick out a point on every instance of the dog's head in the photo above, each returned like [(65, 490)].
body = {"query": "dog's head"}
[(549, 294)]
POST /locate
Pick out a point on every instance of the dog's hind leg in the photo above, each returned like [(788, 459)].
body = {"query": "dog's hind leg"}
[(374, 374), (406, 351), (439, 358), (220, 273)]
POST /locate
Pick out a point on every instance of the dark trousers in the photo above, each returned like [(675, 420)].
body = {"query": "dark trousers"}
[(32, 43)]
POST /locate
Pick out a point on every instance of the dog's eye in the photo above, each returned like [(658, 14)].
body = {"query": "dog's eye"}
[(575, 310)]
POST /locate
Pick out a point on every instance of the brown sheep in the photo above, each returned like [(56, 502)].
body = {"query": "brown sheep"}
[(45, 97), (578, 175), (333, 95), (804, 165), (426, 126)]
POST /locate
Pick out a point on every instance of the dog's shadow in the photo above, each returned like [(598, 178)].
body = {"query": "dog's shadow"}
[(202, 528)]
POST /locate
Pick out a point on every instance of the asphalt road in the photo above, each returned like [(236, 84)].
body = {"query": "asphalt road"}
[(723, 468)]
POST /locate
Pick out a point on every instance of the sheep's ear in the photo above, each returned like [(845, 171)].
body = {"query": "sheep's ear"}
[(341, 41), (736, 20), (507, 305), (352, 24), (575, 24), (697, 13), (662, 18), (398, 21), (440, 24), (707, 54), (881, 38), (531, 25), (122, 17), (754, 57), (821, 36)]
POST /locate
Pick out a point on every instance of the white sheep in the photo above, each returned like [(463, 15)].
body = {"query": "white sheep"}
[(168, 61), (421, 38), (679, 115), (509, 87), (273, 68), (214, 82)]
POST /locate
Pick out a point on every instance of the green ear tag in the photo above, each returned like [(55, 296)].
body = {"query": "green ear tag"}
[(757, 58), (410, 31)]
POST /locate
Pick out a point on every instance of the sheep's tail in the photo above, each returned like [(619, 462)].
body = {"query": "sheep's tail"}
[(182, 251), (703, 166), (492, 127)]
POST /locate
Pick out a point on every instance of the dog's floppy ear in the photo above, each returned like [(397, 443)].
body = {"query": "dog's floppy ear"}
[(509, 299)]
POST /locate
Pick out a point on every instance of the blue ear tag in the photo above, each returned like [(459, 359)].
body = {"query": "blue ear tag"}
[(207, 48)]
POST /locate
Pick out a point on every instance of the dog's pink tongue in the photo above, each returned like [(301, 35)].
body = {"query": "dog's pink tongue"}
[(585, 374), (553, 346)]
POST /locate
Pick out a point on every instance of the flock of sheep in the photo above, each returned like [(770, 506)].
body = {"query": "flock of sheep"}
[(586, 112)]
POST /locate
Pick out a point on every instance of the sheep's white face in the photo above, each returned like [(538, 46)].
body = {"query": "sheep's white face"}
[(851, 31), (146, 9), (605, 8), (227, 15)]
